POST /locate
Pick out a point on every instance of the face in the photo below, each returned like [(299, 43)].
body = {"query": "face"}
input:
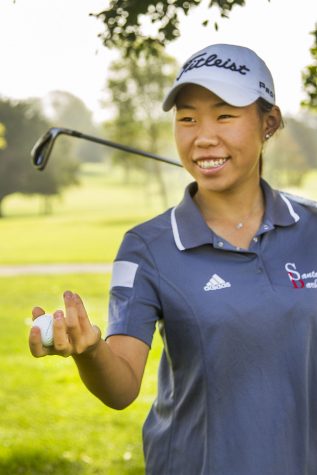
[(218, 144)]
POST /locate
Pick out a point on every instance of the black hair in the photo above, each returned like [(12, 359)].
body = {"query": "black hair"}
[(263, 108)]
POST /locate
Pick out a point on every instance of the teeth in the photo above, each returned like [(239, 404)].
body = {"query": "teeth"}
[(211, 163)]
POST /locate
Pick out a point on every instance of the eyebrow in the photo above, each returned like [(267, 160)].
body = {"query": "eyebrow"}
[(182, 106)]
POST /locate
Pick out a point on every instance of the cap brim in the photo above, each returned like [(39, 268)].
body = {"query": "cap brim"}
[(237, 96)]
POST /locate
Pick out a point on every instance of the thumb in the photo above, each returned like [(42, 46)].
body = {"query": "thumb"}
[(37, 312), (96, 339), (97, 331)]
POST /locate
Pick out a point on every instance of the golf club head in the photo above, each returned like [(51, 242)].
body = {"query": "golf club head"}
[(41, 151)]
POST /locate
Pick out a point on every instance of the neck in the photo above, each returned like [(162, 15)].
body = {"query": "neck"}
[(232, 206), (234, 216)]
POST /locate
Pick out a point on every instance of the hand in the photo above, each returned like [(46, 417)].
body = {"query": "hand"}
[(73, 332)]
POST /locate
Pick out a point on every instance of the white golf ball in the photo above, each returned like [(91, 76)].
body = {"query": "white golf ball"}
[(45, 324)]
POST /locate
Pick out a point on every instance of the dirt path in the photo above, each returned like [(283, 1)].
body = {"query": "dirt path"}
[(46, 269)]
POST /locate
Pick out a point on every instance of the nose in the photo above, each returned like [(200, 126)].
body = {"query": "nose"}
[(207, 137)]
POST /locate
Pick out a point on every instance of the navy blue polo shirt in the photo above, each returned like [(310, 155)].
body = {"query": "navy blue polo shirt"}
[(237, 392)]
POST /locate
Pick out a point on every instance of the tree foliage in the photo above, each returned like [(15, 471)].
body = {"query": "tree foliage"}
[(67, 110), (291, 153), (309, 77), (23, 124), (123, 21), (137, 85)]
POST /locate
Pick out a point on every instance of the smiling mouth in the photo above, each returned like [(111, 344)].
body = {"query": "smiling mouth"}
[(214, 163)]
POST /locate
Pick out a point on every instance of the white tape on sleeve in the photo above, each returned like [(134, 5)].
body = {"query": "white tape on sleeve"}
[(123, 274)]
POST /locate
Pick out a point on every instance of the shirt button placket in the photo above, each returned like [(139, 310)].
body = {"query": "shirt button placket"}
[(259, 267)]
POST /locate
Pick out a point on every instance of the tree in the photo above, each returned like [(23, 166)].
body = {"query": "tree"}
[(123, 22), (21, 131), (306, 138), (3, 142), (67, 110), (61, 172), (284, 163), (23, 125), (291, 153), (137, 86), (309, 77)]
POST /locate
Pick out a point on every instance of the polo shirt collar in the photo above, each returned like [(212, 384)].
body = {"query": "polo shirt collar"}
[(279, 210), (190, 229)]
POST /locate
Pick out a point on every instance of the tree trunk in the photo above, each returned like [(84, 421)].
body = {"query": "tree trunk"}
[(160, 181), (47, 208), (157, 167)]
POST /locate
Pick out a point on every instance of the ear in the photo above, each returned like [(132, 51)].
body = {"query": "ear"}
[(272, 122)]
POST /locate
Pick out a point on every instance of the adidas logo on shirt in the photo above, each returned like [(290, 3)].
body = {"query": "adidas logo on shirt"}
[(216, 283)]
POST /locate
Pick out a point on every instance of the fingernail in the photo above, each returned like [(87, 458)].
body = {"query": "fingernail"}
[(67, 294), (58, 315)]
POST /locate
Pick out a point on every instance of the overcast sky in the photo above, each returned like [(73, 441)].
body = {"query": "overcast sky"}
[(53, 44)]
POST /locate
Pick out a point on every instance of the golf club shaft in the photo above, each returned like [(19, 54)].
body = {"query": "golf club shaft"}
[(125, 148)]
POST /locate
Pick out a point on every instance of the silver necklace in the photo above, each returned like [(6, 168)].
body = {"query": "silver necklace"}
[(241, 224)]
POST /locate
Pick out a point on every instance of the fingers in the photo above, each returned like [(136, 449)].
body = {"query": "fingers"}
[(35, 343), (82, 314), (62, 344), (83, 336), (72, 316), (73, 332), (92, 332)]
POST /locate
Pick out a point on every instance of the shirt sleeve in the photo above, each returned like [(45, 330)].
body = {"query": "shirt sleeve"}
[(134, 306)]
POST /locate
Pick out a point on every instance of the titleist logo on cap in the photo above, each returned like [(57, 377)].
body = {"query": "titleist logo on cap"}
[(234, 73), (211, 61)]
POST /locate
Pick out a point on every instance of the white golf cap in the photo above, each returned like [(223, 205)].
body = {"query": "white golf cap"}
[(234, 73)]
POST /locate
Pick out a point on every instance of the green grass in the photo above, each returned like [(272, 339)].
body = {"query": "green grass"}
[(49, 423), (88, 221)]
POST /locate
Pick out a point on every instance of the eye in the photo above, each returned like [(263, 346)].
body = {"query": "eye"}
[(186, 119), (225, 116)]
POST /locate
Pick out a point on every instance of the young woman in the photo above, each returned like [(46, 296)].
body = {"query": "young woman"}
[(229, 275)]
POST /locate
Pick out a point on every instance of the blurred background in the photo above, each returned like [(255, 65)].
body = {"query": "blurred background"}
[(60, 229)]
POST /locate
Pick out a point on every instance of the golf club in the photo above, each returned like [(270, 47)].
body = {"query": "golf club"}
[(43, 147)]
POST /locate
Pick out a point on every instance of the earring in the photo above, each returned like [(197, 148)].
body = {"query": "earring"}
[(268, 136)]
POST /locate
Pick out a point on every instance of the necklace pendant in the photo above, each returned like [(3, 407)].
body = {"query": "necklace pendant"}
[(239, 226)]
